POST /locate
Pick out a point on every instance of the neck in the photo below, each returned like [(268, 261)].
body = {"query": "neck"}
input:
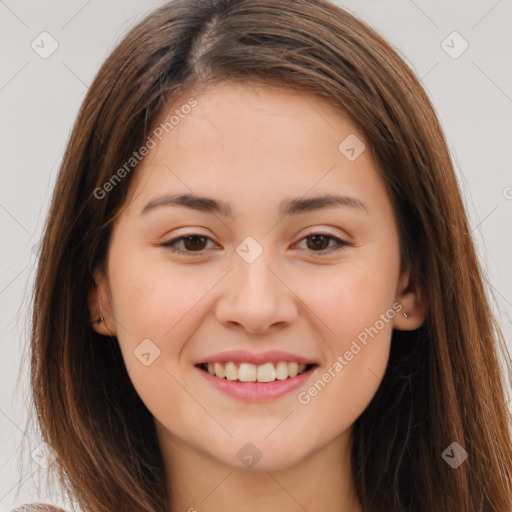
[(198, 482)]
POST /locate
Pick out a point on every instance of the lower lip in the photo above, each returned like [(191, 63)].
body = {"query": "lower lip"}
[(258, 391)]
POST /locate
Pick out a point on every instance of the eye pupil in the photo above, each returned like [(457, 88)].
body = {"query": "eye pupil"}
[(315, 239), (193, 239)]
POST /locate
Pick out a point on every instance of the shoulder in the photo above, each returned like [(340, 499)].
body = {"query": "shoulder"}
[(37, 507)]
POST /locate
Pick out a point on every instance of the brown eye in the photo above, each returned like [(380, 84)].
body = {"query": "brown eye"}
[(319, 242), (194, 242), (191, 243)]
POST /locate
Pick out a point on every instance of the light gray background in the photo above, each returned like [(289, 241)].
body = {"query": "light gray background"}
[(39, 99)]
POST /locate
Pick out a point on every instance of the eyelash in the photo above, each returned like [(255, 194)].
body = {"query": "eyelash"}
[(341, 243)]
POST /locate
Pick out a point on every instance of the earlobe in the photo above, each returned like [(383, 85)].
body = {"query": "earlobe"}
[(99, 316), (413, 312)]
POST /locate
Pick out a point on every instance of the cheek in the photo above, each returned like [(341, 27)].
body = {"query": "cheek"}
[(355, 363), (152, 296), (157, 307), (153, 305), (349, 298), (355, 306)]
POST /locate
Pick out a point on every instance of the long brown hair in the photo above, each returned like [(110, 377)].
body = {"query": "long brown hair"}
[(443, 382)]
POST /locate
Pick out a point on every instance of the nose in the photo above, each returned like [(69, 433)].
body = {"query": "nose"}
[(256, 297)]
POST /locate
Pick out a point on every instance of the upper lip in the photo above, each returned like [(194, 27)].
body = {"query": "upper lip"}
[(244, 356)]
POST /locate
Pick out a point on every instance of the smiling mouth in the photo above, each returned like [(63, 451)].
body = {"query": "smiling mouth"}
[(247, 372)]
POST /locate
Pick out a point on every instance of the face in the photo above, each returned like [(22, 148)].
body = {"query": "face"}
[(260, 279)]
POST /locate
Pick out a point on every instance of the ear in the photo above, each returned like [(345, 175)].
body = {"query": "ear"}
[(100, 311), (413, 312)]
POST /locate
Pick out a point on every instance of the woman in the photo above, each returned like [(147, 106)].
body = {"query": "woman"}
[(257, 288)]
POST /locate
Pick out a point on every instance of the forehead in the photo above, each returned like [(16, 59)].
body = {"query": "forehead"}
[(254, 142), (250, 110)]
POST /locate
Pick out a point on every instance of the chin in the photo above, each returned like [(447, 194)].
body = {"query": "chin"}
[(261, 453)]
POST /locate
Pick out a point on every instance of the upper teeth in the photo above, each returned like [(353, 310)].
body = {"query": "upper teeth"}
[(247, 372)]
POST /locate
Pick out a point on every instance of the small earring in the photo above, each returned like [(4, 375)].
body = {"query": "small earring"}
[(407, 315), (100, 319)]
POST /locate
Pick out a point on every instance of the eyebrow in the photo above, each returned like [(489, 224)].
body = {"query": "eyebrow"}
[(287, 207)]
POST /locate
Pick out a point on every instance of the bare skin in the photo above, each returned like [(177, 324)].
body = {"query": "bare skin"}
[(254, 147)]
